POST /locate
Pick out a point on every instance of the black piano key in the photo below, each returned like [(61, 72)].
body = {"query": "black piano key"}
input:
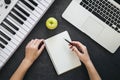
[(2, 46), (6, 27), (16, 19), (5, 36), (12, 25), (23, 11), (2, 40), (28, 5), (20, 15), (33, 2), (99, 16)]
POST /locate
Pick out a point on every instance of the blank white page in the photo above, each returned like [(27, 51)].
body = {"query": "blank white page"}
[(61, 56)]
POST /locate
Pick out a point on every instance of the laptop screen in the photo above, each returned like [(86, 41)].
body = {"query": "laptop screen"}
[(118, 1)]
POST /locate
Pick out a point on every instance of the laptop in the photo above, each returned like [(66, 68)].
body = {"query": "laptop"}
[(99, 19)]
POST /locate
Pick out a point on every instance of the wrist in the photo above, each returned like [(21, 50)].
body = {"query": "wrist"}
[(87, 63), (27, 62)]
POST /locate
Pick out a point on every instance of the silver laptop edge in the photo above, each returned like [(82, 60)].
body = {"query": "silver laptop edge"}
[(92, 26)]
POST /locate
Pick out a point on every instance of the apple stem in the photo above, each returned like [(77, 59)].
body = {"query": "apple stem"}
[(51, 22)]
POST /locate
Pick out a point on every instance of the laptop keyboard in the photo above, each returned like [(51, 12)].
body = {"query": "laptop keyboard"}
[(105, 11)]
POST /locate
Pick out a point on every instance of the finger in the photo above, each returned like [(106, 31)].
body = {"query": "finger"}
[(77, 51), (77, 43), (81, 46), (39, 42), (70, 46), (41, 49), (73, 48), (30, 42), (35, 41)]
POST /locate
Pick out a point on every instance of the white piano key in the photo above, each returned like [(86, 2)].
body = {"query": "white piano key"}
[(8, 47), (21, 29), (6, 51), (39, 10), (4, 55), (28, 24), (43, 2), (20, 34), (13, 21), (20, 12), (10, 36), (17, 16), (27, 9), (17, 38), (30, 20), (1, 50), (26, 28), (36, 11), (13, 43), (6, 32), (23, 32), (24, 8), (33, 17), (40, 6), (3, 38), (30, 3), (10, 20), (2, 43), (49, 1), (1, 64), (9, 26), (2, 58)]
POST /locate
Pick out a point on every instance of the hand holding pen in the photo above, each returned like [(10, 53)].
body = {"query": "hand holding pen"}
[(80, 50)]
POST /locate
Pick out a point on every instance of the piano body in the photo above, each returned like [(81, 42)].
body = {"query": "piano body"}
[(17, 19)]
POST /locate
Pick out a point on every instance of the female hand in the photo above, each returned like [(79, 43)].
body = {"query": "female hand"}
[(32, 52), (81, 51)]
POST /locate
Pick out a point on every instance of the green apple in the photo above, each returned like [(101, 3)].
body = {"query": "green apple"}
[(51, 23)]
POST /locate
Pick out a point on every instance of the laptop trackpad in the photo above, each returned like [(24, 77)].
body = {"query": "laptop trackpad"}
[(92, 27)]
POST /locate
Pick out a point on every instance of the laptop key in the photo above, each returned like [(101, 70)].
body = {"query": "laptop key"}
[(99, 16)]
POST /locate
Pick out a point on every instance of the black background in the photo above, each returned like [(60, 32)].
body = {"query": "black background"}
[(107, 64)]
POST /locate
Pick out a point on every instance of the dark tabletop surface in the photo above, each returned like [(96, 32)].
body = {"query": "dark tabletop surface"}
[(107, 64)]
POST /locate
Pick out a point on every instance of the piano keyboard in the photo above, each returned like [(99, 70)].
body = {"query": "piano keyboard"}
[(18, 24)]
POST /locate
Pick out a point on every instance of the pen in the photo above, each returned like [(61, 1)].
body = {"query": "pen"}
[(68, 41), (73, 45)]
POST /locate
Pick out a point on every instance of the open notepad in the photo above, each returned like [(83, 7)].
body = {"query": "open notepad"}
[(61, 56)]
